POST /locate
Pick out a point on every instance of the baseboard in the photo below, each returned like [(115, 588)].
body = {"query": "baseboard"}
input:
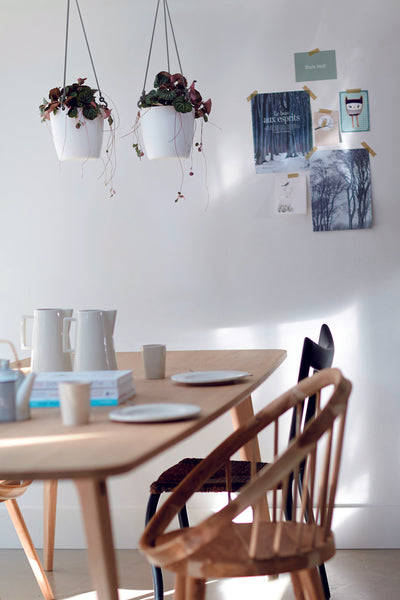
[(354, 526)]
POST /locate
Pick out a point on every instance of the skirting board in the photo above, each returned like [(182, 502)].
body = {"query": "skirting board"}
[(354, 527)]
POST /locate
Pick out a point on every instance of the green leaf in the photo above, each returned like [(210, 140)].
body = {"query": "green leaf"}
[(182, 105), (90, 112), (73, 112), (161, 78), (166, 96)]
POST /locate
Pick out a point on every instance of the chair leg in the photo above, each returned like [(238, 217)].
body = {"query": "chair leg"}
[(156, 572), (180, 587), (297, 586), (324, 581), (29, 548), (195, 589), (49, 522), (311, 583), (183, 518)]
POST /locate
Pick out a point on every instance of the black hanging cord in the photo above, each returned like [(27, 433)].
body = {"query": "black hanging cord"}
[(101, 98), (166, 12)]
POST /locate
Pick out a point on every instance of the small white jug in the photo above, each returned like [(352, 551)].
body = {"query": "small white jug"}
[(48, 339), (94, 347)]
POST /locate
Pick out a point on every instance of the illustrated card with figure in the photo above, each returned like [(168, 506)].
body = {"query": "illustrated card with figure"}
[(282, 131), (354, 111), (291, 193)]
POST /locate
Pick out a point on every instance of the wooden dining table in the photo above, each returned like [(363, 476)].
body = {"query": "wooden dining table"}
[(41, 448)]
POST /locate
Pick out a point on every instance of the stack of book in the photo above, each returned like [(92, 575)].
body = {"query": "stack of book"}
[(108, 388)]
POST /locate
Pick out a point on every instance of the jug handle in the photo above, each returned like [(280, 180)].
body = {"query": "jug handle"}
[(65, 333), (17, 361), (24, 345)]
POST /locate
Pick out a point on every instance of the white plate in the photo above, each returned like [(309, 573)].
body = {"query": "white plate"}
[(151, 413), (207, 377)]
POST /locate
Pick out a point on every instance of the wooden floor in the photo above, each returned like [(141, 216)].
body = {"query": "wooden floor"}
[(353, 575)]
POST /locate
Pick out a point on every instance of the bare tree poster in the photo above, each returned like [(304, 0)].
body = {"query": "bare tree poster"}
[(282, 131), (341, 195)]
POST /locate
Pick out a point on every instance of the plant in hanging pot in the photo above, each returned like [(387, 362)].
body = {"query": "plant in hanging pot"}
[(167, 115), (76, 120)]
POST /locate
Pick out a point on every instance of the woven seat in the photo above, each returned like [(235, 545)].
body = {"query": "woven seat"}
[(315, 356), (169, 479)]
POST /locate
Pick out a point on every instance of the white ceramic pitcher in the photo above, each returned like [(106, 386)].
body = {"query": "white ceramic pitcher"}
[(94, 345), (47, 339)]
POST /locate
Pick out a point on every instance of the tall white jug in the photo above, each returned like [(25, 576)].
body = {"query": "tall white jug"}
[(48, 335), (94, 347)]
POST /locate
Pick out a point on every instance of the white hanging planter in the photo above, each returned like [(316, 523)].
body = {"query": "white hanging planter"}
[(166, 132), (76, 143)]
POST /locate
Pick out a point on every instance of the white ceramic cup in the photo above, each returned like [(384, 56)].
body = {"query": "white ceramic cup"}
[(154, 360), (74, 402)]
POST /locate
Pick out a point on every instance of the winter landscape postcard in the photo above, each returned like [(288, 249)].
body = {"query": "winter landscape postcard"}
[(354, 111), (341, 197), (291, 193), (326, 128), (282, 131)]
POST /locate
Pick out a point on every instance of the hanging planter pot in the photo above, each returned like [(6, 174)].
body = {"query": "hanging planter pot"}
[(167, 133), (77, 117), (76, 138)]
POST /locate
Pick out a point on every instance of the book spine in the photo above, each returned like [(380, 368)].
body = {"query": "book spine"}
[(94, 400)]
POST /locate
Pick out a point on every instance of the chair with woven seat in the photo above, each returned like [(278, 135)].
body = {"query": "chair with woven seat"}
[(9, 492), (223, 546), (314, 356)]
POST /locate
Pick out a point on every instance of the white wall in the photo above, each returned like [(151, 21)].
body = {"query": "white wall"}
[(218, 272)]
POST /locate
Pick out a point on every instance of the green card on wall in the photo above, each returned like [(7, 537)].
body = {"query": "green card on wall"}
[(315, 66)]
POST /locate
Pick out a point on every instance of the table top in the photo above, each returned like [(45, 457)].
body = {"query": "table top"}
[(42, 448)]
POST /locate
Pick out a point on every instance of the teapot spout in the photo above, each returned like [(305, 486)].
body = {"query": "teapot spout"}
[(23, 396)]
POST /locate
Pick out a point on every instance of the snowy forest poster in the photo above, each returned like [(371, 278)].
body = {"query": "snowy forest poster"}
[(282, 131), (341, 195)]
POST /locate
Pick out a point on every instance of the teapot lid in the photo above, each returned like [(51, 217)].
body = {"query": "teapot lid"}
[(7, 374)]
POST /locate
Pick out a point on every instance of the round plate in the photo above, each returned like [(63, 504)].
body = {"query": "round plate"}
[(152, 413), (207, 377)]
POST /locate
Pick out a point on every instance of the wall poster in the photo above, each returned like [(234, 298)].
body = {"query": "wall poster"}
[(291, 193), (354, 111), (341, 197), (282, 131)]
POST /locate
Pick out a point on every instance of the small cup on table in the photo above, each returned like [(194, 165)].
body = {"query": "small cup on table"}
[(154, 360), (74, 402)]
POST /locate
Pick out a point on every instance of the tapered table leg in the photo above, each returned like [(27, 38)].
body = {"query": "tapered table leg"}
[(97, 521), (49, 522)]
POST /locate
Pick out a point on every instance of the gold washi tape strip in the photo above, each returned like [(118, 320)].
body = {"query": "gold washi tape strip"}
[(311, 152), (326, 111), (355, 91), (313, 51), (252, 95), (365, 145), (309, 92), (290, 175)]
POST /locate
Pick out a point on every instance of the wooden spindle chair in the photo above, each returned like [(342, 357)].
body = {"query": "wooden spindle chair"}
[(9, 492), (221, 547), (314, 357)]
